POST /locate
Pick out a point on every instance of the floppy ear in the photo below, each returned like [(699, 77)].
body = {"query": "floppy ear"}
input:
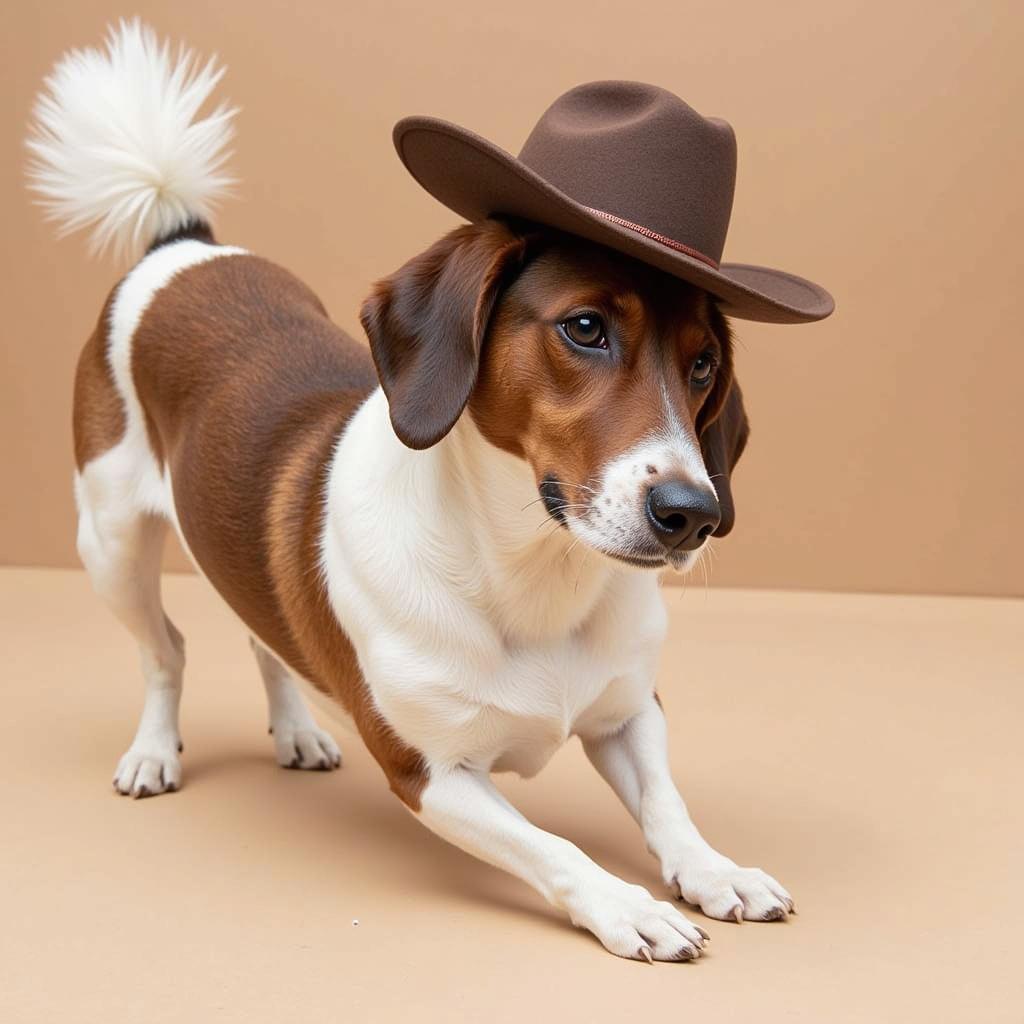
[(427, 322), (722, 444)]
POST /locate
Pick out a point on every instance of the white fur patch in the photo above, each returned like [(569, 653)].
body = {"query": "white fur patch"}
[(116, 145)]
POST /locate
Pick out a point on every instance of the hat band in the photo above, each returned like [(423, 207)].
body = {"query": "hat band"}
[(687, 250)]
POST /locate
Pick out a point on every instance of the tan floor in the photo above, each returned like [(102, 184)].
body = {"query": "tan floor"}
[(865, 750)]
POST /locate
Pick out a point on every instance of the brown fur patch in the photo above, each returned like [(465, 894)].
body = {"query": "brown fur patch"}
[(247, 385), (98, 420)]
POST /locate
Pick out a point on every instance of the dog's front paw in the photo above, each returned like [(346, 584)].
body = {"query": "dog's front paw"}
[(724, 890), (631, 923)]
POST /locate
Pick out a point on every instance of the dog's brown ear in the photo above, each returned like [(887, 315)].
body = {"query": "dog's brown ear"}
[(427, 322), (722, 444)]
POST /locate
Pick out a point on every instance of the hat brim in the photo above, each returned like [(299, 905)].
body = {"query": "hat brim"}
[(477, 180)]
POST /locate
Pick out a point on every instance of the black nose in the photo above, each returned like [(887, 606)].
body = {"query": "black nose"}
[(683, 517)]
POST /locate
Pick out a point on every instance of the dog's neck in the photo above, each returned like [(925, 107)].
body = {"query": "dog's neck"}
[(539, 580), (466, 516), (470, 516)]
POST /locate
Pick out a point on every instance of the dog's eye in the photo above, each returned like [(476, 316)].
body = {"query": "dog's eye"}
[(703, 368), (585, 330)]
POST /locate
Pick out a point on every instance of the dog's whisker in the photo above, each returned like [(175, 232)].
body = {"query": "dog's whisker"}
[(564, 508), (579, 573), (564, 483), (552, 525), (561, 504), (551, 521), (569, 550)]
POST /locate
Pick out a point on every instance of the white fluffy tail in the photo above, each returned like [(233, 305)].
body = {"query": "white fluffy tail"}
[(115, 145)]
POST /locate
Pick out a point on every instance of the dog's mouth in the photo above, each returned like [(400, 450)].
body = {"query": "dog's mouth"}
[(637, 561), (680, 561)]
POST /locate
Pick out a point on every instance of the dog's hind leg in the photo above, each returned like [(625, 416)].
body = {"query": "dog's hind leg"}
[(298, 741), (120, 545)]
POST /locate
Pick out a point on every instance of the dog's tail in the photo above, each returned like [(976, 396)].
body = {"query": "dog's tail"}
[(116, 145)]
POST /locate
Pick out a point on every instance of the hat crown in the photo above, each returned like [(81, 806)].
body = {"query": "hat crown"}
[(640, 153)]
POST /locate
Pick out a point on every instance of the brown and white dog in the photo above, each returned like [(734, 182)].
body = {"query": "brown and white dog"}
[(457, 539)]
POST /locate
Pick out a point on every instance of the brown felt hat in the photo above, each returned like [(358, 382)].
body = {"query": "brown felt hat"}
[(627, 165)]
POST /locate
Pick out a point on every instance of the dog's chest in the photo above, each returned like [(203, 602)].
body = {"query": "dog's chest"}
[(540, 698), (513, 709)]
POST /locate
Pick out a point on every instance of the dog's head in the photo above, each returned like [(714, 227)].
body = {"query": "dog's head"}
[(611, 379)]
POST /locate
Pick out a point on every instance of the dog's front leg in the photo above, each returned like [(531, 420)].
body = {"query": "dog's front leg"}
[(464, 807), (634, 761)]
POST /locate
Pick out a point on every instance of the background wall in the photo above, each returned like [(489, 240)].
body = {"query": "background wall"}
[(880, 152)]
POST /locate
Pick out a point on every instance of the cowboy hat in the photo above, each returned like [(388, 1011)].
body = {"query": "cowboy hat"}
[(623, 164)]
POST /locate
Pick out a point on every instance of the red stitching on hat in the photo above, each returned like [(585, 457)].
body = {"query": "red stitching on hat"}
[(648, 233)]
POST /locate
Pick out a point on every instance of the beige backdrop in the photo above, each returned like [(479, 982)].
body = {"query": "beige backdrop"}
[(880, 153)]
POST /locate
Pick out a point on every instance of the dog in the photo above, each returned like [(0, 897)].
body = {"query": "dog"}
[(455, 534)]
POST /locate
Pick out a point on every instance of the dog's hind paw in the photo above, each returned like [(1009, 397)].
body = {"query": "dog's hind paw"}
[(149, 770), (309, 748)]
